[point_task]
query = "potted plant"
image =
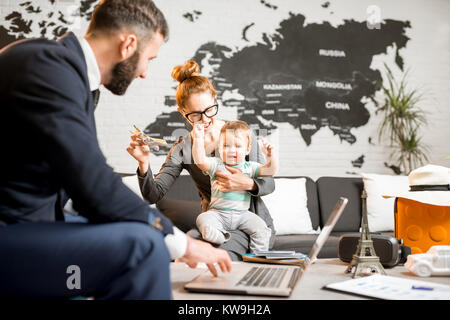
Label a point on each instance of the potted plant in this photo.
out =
(402, 118)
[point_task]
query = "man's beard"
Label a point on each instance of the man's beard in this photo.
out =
(123, 74)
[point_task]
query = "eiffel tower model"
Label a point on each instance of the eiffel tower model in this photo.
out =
(365, 257)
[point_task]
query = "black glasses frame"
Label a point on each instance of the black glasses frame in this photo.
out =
(216, 105)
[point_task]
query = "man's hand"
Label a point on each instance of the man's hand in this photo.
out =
(236, 181)
(200, 251)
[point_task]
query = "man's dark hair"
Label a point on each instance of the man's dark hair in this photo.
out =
(139, 16)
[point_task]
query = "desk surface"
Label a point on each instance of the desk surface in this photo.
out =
(319, 274)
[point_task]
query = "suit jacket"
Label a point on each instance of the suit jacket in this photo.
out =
(49, 142)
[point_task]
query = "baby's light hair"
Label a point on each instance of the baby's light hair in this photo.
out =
(237, 127)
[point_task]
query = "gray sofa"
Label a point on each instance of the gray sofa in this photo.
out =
(182, 205)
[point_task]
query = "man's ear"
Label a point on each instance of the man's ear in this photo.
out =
(128, 45)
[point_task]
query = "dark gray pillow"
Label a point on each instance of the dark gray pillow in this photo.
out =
(182, 213)
(330, 189)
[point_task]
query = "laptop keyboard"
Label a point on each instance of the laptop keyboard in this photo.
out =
(266, 277)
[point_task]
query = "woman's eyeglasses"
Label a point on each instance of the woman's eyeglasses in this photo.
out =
(197, 116)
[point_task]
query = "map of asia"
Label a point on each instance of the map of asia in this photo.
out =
(309, 75)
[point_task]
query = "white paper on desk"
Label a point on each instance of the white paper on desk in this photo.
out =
(392, 288)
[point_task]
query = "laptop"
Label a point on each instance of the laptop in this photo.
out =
(265, 279)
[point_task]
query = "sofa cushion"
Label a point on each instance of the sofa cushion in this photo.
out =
(183, 189)
(288, 206)
(380, 211)
(182, 213)
(304, 242)
(312, 199)
(182, 203)
(330, 189)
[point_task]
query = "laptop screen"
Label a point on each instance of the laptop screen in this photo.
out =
(329, 225)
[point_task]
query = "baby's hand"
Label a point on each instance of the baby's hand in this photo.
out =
(266, 148)
(199, 130)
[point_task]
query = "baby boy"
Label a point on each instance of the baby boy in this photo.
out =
(230, 210)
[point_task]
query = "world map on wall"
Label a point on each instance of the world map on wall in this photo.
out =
(307, 75)
(43, 19)
(310, 76)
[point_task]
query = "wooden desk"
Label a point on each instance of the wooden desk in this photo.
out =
(319, 274)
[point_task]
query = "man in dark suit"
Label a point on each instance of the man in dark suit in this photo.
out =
(51, 152)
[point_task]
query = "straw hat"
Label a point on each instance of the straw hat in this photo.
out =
(429, 184)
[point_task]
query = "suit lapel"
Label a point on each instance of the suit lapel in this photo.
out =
(70, 41)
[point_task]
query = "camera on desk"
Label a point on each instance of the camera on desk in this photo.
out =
(390, 250)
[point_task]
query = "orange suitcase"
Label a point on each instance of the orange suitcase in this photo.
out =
(421, 225)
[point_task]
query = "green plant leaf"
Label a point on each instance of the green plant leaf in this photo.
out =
(402, 118)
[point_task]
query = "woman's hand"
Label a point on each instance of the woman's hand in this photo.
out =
(235, 181)
(140, 151)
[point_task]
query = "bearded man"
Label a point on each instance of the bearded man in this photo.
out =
(48, 92)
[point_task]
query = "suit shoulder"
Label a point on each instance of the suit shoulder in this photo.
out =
(27, 54)
(41, 62)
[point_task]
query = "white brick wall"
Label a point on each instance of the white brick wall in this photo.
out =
(427, 54)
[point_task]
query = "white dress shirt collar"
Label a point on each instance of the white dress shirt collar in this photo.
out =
(91, 63)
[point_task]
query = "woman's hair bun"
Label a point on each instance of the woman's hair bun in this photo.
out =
(185, 71)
